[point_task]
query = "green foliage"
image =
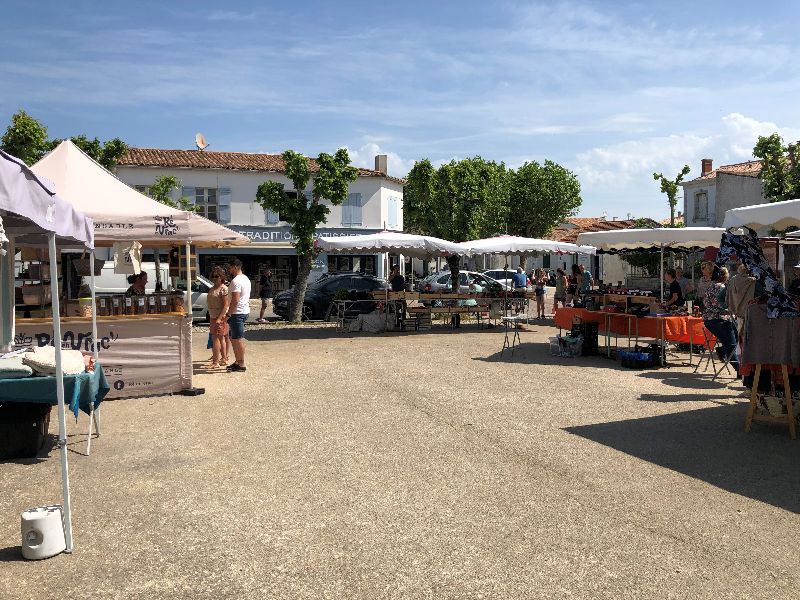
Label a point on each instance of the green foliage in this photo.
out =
(331, 182)
(670, 188)
(105, 153)
(161, 191)
(25, 138)
(780, 170)
(541, 197)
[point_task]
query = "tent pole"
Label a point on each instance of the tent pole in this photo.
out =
(62, 417)
(661, 268)
(188, 278)
(95, 343)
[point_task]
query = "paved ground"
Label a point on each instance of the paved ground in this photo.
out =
(420, 466)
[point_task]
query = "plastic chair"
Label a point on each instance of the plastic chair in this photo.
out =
(710, 345)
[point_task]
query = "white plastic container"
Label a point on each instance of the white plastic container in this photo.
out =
(42, 532)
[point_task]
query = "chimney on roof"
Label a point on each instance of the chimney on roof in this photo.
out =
(382, 163)
(705, 166)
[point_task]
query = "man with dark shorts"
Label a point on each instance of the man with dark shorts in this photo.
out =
(238, 311)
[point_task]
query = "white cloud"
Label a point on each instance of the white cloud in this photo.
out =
(230, 15)
(365, 157)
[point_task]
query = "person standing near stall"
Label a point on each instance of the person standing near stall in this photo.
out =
(238, 312)
(396, 280)
(561, 290)
(539, 281)
(675, 293)
(265, 293)
(218, 303)
(138, 283)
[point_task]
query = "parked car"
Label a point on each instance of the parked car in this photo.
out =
(440, 282)
(503, 276)
(320, 294)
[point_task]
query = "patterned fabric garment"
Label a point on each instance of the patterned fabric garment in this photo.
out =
(714, 303)
(747, 248)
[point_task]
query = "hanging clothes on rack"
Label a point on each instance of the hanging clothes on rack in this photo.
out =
(748, 249)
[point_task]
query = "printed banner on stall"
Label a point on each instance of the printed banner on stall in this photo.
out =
(140, 357)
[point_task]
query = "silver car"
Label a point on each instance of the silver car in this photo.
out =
(441, 282)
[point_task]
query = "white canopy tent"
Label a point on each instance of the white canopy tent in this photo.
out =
(679, 238)
(33, 214)
(418, 246)
(119, 212)
(514, 245)
(778, 215)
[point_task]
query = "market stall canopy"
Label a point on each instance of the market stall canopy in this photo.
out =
(510, 244)
(120, 213)
(418, 246)
(680, 238)
(778, 215)
(30, 208)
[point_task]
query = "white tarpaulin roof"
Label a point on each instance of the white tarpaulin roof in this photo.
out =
(667, 237)
(510, 244)
(120, 213)
(33, 208)
(778, 215)
(418, 246)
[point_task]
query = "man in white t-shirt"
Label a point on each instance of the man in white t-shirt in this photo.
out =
(238, 311)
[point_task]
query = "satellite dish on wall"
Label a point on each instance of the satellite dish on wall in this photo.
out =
(201, 142)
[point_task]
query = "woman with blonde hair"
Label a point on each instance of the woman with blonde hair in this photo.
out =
(218, 302)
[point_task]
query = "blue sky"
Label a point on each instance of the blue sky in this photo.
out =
(611, 90)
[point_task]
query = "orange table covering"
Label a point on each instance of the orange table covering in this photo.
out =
(676, 329)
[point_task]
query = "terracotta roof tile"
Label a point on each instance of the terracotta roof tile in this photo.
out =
(234, 161)
(587, 224)
(750, 168)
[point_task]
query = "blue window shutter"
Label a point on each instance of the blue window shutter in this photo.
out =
(347, 211)
(224, 201)
(356, 208)
(188, 193)
(271, 217)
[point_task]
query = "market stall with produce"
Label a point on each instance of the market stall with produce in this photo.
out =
(144, 340)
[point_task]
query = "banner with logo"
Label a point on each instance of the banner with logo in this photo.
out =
(142, 356)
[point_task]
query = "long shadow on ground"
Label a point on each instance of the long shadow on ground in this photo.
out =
(329, 332)
(709, 444)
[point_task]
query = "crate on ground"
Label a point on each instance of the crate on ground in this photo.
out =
(23, 428)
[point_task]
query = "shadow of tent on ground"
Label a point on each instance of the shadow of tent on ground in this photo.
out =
(711, 445)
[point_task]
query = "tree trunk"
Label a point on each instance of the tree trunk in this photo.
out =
(454, 262)
(303, 269)
(672, 214)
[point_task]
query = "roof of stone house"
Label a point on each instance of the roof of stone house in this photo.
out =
(233, 161)
(578, 225)
(750, 168)
(678, 221)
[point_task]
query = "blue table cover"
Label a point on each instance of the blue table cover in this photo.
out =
(80, 391)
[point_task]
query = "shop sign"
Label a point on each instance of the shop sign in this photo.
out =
(283, 235)
(139, 356)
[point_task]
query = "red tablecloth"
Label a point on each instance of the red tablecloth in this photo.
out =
(676, 329)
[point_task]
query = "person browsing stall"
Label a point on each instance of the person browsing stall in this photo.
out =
(138, 284)
(238, 312)
(675, 294)
(396, 280)
(519, 279)
(218, 303)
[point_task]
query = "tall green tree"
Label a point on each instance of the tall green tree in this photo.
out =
(780, 168)
(459, 201)
(331, 182)
(25, 138)
(670, 188)
(541, 197)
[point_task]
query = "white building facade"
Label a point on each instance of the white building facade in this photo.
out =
(222, 186)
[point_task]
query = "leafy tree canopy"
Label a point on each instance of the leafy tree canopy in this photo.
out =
(780, 170)
(161, 191)
(331, 182)
(670, 188)
(541, 197)
(26, 138)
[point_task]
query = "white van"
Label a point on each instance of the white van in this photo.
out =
(109, 282)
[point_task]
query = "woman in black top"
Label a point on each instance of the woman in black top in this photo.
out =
(397, 281)
(675, 294)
